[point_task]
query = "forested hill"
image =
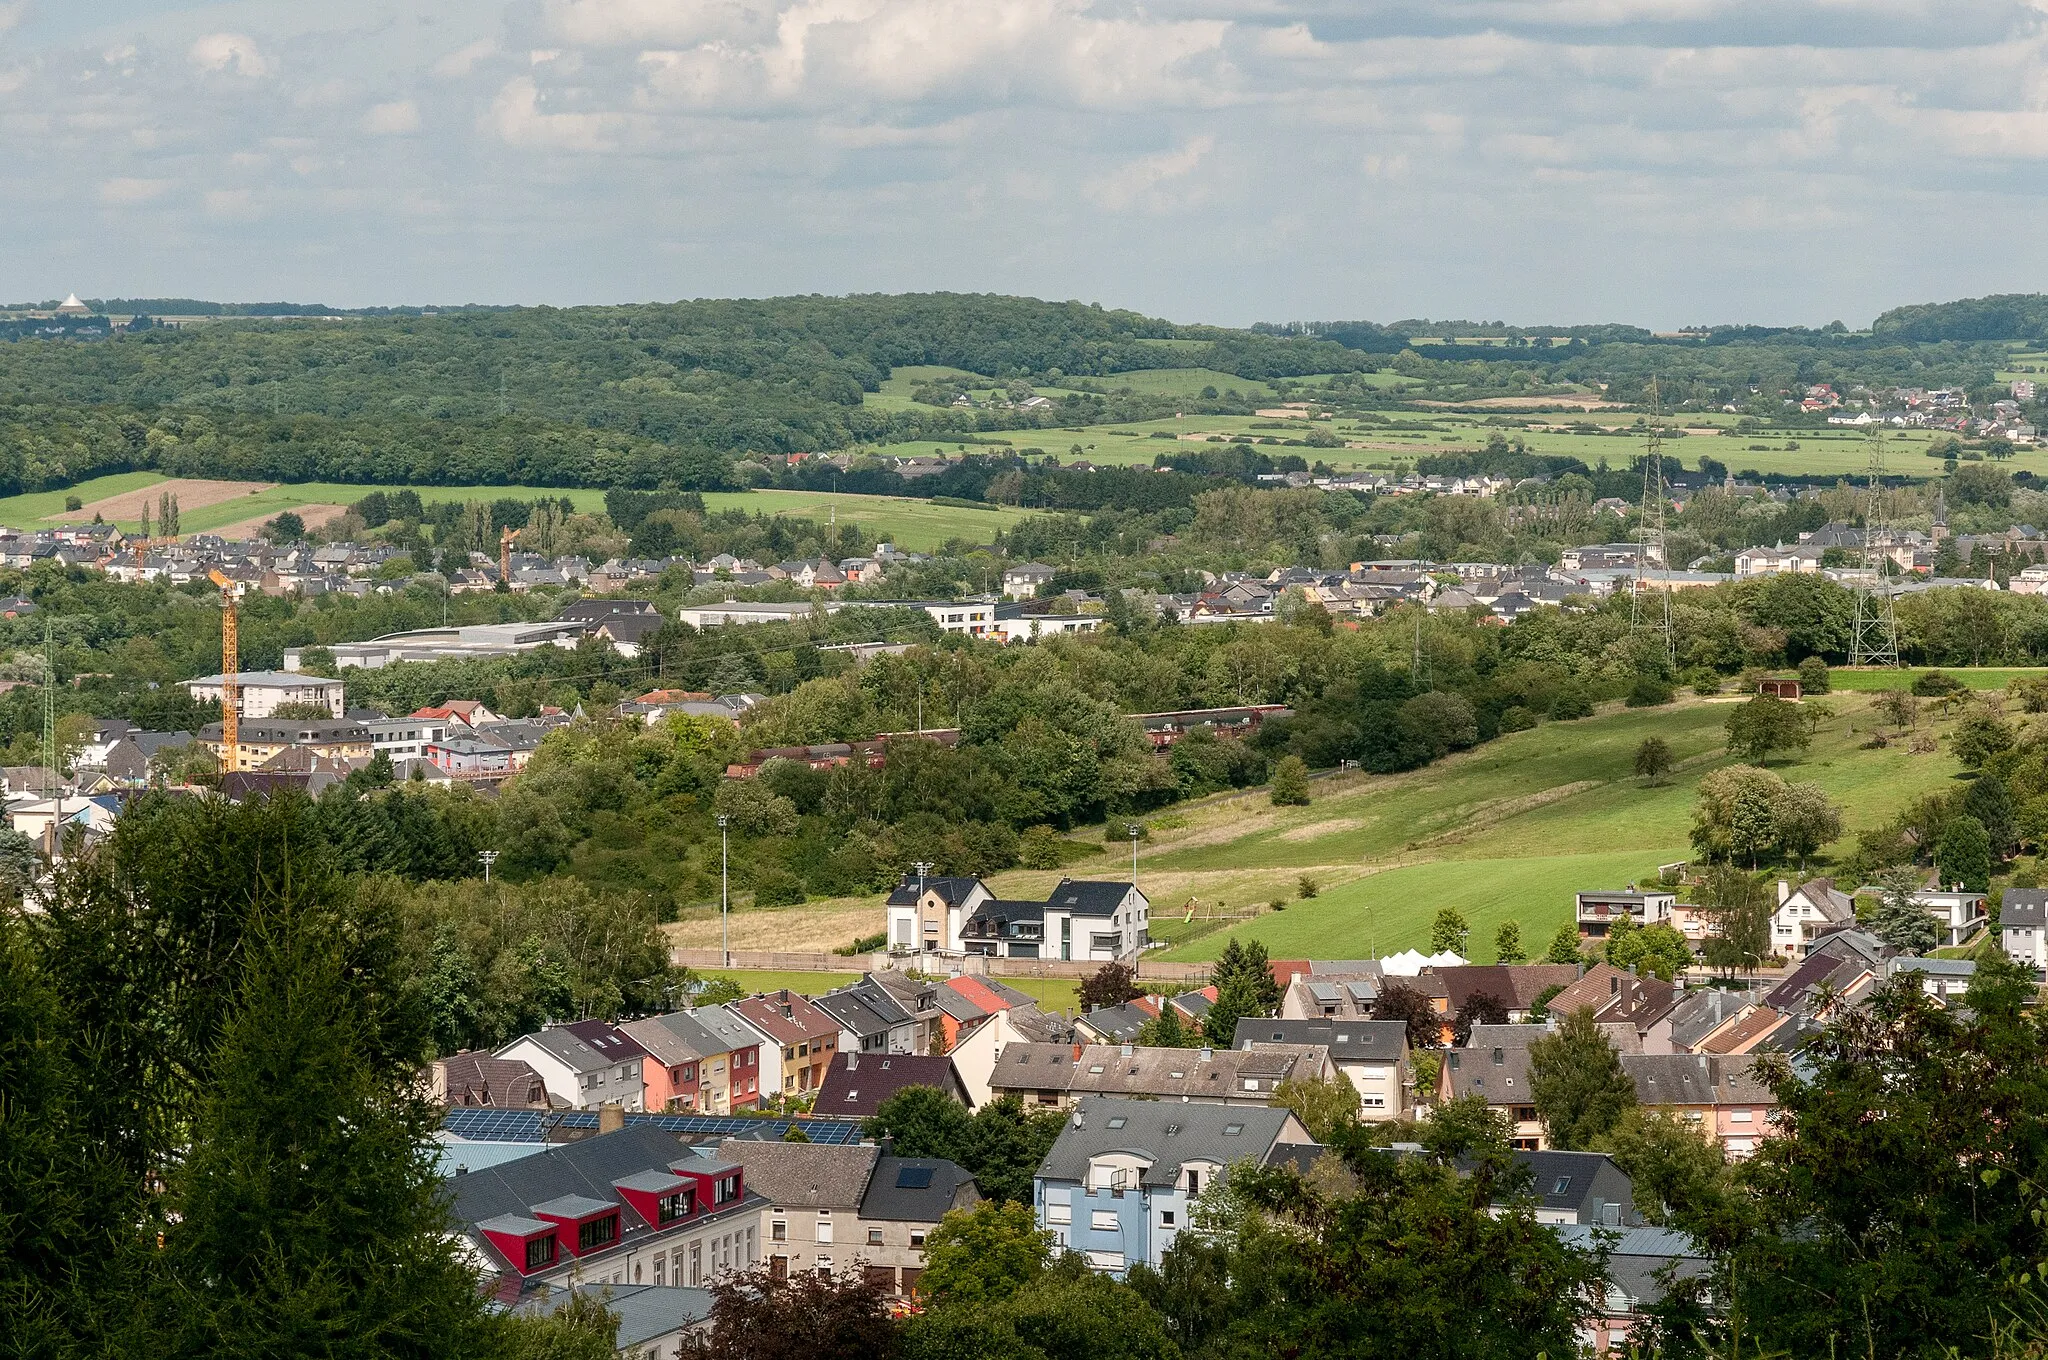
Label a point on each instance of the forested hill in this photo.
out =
(593, 396)
(2002, 316)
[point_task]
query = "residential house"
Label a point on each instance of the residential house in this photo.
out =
(1123, 1174)
(1372, 1055)
(407, 737)
(1580, 1187)
(675, 1047)
(2023, 926)
(1943, 980)
(1321, 996)
(801, 1038)
(915, 997)
(1805, 913)
(926, 914)
(1498, 1073)
(259, 741)
(585, 1065)
(840, 1209)
(1722, 1097)
(1642, 1265)
(966, 1003)
(1597, 912)
(1957, 912)
(871, 1019)
(1023, 582)
(1517, 987)
(1056, 1074)
(731, 1075)
(630, 1207)
(857, 1083)
(264, 692)
(482, 1080)
(650, 1322)
(975, 1056)
(1619, 996)
(1118, 1024)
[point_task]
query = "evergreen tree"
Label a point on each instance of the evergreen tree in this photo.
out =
(1577, 1082)
(1964, 854)
(1899, 921)
(308, 1215)
(1166, 1031)
(1290, 782)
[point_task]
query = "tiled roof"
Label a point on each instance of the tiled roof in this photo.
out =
(804, 1175)
(915, 1189)
(856, 1083)
(1168, 1134)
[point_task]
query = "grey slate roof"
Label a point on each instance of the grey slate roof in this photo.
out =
(915, 1189)
(1167, 1134)
(1637, 1257)
(1088, 896)
(2024, 907)
(1347, 1040)
(1694, 1079)
(805, 1175)
(862, 1009)
(560, 1043)
(1499, 1073)
(950, 890)
(583, 1170)
(1582, 1184)
(1701, 1012)
(646, 1312)
(1166, 1073)
(1114, 1024)
(856, 1083)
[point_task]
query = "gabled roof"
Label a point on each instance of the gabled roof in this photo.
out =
(560, 1043)
(786, 1016)
(1168, 1135)
(951, 891)
(2024, 907)
(1116, 1024)
(914, 1189)
(1821, 894)
(1694, 1079)
(478, 1079)
(1088, 896)
(666, 1041)
(1348, 1041)
(857, 1083)
(804, 1175)
(1517, 986)
(1169, 1074)
(609, 1040)
(863, 1009)
(1580, 1183)
(1498, 1074)
(1744, 1035)
(1616, 994)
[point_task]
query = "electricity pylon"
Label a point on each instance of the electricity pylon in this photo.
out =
(1651, 533)
(1874, 636)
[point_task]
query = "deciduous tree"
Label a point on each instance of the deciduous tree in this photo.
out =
(1577, 1082)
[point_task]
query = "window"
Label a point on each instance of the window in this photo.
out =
(1251, 1083)
(669, 1208)
(660, 1265)
(1375, 1102)
(1564, 1183)
(874, 1237)
(540, 1253)
(1166, 1218)
(696, 1263)
(917, 1238)
(824, 1228)
(1739, 1116)
(1104, 1220)
(1194, 1182)
(1116, 1121)
(778, 1231)
(598, 1232)
(1232, 1130)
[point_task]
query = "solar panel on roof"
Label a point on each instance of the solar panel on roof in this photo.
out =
(913, 1177)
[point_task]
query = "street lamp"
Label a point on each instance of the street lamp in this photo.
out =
(1133, 830)
(923, 867)
(724, 896)
(489, 857)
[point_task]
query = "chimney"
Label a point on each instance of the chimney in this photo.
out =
(852, 1061)
(1126, 1049)
(1784, 891)
(611, 1117)
(1207, 1054)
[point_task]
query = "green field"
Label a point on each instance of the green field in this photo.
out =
(1508, 831)
(1973, 677)
(808, 984)
(914, 525)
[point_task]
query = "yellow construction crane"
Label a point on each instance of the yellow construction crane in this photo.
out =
(230, 666)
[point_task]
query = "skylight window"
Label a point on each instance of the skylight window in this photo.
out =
(1118, 1122)
(1232, 1130)
(1564, 1183)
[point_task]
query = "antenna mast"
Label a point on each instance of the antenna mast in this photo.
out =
(1874, 637)
(50, 788)
(1652, 547)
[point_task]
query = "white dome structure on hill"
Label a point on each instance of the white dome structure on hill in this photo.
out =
(71, 306)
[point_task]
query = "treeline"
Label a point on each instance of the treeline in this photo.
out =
(214, 1138)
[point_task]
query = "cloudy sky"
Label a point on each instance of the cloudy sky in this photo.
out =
(1657, 161)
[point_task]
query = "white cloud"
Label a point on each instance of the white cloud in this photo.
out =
(1130, 184)
(464, 59)
(235, 53)
(517, 116)
(239, 205)
(399, 116)
(123, 191)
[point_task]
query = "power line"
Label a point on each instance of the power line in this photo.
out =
(1874, 634)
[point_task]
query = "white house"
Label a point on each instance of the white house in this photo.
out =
(926, 914)
(1805, 912)
(1598, 912)
(585, 1065)
(1957, 913)
(1372, 1055)
(2023, 926)
(1091, 920)
(1023, 582)
(1776, 561)
(264, 692)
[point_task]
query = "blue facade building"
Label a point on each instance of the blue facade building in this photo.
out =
(1123, 1175)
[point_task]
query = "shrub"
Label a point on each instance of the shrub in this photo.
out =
(1650, 691)
(1515, 718)
(1934, 684)
(1039, 848)
(1813, 676)
(1308, 887)
(1571, 701)
(775, 887)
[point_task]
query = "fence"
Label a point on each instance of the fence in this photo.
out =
(785, 961)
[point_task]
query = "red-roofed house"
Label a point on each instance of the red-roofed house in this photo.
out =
(469, 712)
(801, 1037)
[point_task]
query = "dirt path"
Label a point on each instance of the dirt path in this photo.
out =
(192, 493)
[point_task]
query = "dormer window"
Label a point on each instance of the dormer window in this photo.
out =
(540, 1253)
(672, 1207)
(597, 1233)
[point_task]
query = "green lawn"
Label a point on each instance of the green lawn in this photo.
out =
(1508, 831)
(1975, 677)
(914, 525)
(806, 984)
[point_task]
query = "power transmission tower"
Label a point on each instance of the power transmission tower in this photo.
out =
(1874, 636)
(1652, 546)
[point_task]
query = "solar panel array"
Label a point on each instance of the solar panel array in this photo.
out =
(531, 1126)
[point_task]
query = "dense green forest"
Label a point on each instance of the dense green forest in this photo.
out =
(658, 394)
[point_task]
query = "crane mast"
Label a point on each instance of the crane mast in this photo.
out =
(230, 667)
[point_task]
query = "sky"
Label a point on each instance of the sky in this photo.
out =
(1659, 162)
